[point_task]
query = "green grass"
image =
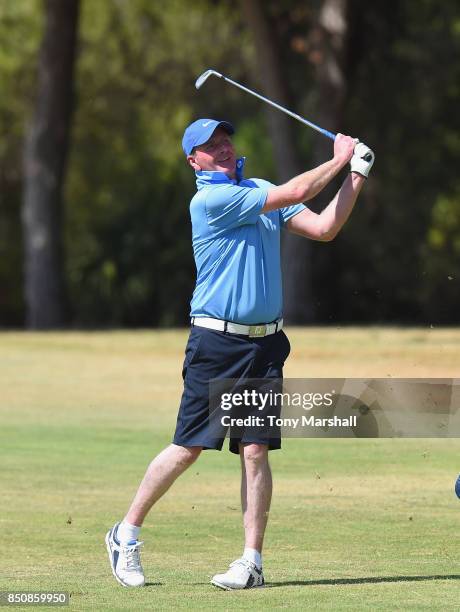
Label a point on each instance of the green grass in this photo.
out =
(354, 524)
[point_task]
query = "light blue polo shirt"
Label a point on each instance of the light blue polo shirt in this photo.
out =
(236, 249)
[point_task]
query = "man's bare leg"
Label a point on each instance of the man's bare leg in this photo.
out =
(122, 540)
(160, 475)
(256, 493)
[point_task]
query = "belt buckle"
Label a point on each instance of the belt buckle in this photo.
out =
(257, 331)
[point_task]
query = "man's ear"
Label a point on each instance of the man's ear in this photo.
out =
(191, 161)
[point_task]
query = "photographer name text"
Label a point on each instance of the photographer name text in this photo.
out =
(293, 423)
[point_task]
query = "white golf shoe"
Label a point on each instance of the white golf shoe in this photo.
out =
(242, 574)
(125, 559)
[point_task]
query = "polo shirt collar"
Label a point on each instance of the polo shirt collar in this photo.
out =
(204, 178)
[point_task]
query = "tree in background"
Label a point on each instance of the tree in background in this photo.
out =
(45, 157)
(20, 35)
(324, 44)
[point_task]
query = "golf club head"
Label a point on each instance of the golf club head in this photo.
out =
(203, 77)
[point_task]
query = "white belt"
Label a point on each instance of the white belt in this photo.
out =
(253, 331)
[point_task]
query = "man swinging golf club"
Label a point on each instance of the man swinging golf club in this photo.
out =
(236, 317)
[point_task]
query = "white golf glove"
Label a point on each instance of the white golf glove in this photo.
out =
(362, 160)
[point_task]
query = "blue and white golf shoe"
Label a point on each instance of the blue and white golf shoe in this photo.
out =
(125, 559)
(242, 574)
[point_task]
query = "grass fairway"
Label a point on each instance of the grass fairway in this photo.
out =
(354, 524)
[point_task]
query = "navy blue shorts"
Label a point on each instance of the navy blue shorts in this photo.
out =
(218, 355)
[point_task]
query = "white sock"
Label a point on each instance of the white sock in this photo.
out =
(127, 532)
(251, 554)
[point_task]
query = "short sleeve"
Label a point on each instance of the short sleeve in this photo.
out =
(285, 213)
(230, 206)
(289, 212)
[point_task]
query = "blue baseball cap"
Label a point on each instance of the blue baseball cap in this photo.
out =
(200, 131)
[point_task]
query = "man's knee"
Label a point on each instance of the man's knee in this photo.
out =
(254, 454)
(186, 455)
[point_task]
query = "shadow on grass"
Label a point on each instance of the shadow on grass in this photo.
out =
(364, 580)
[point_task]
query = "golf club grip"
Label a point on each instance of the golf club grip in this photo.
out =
(322, 131)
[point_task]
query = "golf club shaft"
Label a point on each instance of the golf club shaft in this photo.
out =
(330, 135)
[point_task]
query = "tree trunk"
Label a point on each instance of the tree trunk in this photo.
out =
(45, 155)
(327, 53)
(298, 299)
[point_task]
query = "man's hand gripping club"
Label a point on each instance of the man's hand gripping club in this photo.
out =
(362, 160)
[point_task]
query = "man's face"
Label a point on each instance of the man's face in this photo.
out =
(216, 155)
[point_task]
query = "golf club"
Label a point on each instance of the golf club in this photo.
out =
(204, 77)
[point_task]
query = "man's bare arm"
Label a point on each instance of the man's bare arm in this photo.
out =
(307, 185)
(330, 221)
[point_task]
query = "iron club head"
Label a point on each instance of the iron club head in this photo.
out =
(203, 77)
